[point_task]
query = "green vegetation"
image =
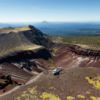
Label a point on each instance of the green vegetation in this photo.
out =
(85, 41)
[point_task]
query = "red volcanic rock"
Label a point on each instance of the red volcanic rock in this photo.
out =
(76, 56)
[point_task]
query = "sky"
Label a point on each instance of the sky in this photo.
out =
(49, 10)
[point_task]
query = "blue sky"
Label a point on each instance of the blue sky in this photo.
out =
(49, 10)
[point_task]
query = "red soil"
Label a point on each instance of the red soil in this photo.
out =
(75, 56)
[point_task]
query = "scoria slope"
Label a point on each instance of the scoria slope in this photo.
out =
(71, 84)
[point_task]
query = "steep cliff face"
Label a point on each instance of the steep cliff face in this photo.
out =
(38, 37)
(75, 56)
(85, 52)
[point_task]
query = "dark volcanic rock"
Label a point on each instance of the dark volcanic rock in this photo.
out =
(85, 52)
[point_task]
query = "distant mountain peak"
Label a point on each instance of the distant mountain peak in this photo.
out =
(45, 22)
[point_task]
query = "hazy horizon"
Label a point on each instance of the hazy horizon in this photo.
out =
(35, 22)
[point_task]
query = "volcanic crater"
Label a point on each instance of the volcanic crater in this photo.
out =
(27, 54)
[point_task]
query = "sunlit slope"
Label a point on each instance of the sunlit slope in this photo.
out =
(22, 38)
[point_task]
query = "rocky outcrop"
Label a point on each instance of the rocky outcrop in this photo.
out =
(40, 53)
(83, 51)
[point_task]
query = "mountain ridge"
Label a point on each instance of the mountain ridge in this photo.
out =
(21, 38)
